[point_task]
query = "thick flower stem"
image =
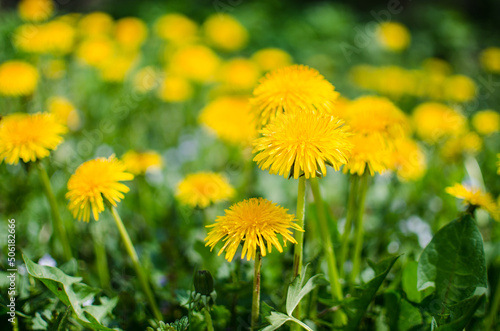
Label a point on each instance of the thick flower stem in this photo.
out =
(137, 265)
(208, 319)
(256, 291)
(494, 309)
(351, 214)
(299, 236)
(100, 254)
(56, 217)
(327, 241)
(358, 227)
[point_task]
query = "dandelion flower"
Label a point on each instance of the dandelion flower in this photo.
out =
(96, 24)
(486, 122)
(94, 184)
(96, 51)
(302, 142)
(490, 59)
(35, 10)
(369, 153)
(272, 58)
(223, 31)
(196, 62)
(239, 74)
(475, 197)
(292, 88)
(29, 137)
(138, 163)
(459, 88)
(256, 222)
(434, 121)
(204, 188)
(65, 111)
(130, 33)
(146, 79)
(408, 159)
(231, 119)
(465, 143)
(116, 68)
(175, 89)
(176, 28)
(393, 36)
(55, 37)
(17, 78)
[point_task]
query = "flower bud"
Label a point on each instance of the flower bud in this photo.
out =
(203, 282)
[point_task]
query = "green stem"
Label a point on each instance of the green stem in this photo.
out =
(327, 241)
(100, 254)
(137, 265)
(351, 214)
(256, 291)
(56, 217)
(299, 236)
(208, 319)
(495, 305)
(358, 227)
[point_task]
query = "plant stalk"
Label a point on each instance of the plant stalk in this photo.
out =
(494, 307)
(137, 265)
(100, 254)
(256, 291)
(208, 319)
(299, 236)
(358, 227)
(351, 214)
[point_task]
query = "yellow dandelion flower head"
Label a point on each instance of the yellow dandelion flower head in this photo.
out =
(94, 184)
(35, 10)
(195, 62)
(117, 67)
(437, 66)
(146, 79)
(369, 153)
(297, 143)
(490, 59)
(175, 88)
(466, 143)
(176, 28)
(231, 119)
(95, 24)
(138, 163)
(459, 88)
(64, 111)
(55, 37)
(434, 121)
(292, 88)
(256, 222)
(475, 197)
(393, 36)
(376, 115)
(199, 190)
(486, 122)
(408, 159)
(223, 31)
(130, 32)
(17, 78)
(272, 58)
(96, 51)
(29, 137)
(239, 74)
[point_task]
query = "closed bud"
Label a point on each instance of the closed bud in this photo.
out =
(203, 282)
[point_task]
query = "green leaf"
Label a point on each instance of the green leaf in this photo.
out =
(409, 283)
(462, 313)
(357, 305)
(453, 262)
(278, 319)
(409, 316)
(300, 288)
(73, 294)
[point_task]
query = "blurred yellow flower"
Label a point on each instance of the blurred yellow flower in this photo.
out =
(95, 24)
(393, 36)
(195, 62)
(231, 119)
(437, 66)
(17, 78)
(490, 59)
(35, 10)
(255, 222)
(223, 31)
(201, 189)
(272, 58)
(116, 68)
(459, 88)
(175, 89)
(55, 37)
(130, 33)
(465, 143)
(486, 122)
(146, 79)
(433, 121)
(303, 142)
(96, 51)
(29, 137)
(408, 159)
(292, 88)
(176, 28)
(138, 163)
(476, 198)
(239, 74)
(54, 69)
(64, 111)
(94, 184)
(369, 153)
